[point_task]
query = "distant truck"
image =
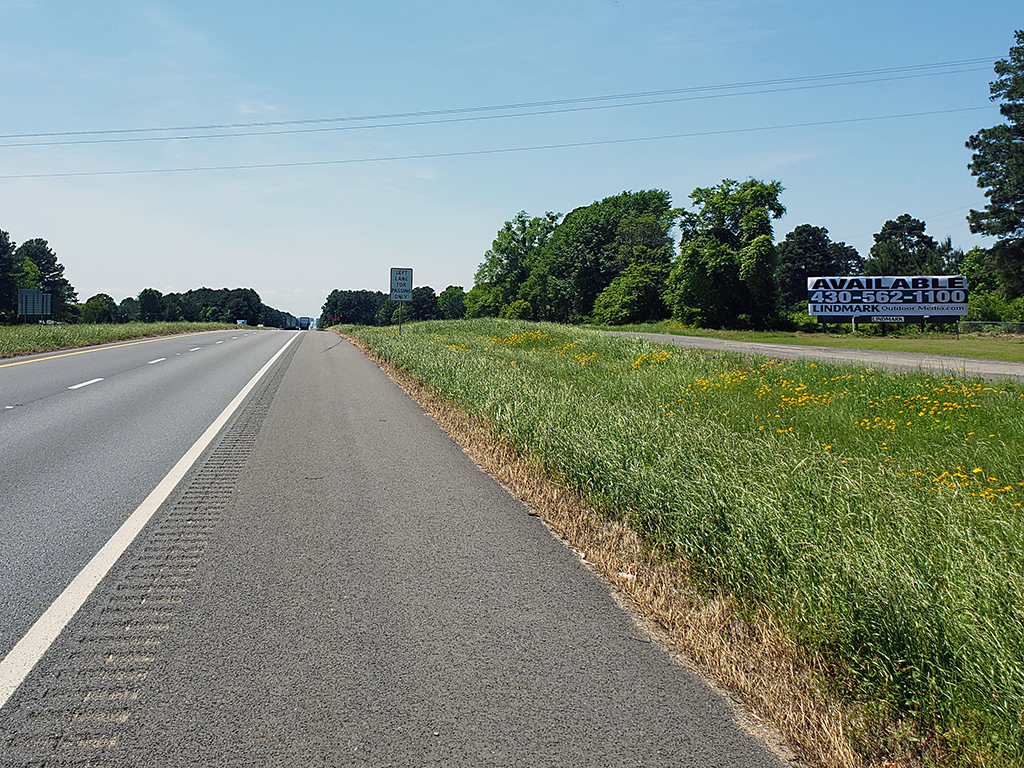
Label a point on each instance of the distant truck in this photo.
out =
(305, 323)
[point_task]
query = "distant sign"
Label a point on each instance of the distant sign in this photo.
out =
(908, 299)
(401, 284)
(32, 301)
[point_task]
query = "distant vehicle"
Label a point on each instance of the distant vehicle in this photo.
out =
(304, 323)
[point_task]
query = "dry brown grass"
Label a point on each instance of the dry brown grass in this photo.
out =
(750, 657)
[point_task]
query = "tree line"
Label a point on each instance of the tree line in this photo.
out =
(633, 258)
(34, 265)
(377, 308)
(615, 262)
(208, 305)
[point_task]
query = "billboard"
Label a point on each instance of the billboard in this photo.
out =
(904, 299)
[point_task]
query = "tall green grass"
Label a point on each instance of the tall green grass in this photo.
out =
(878, 515)
(32, 338)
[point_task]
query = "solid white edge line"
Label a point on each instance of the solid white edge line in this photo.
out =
(85, 383)
(21, 659)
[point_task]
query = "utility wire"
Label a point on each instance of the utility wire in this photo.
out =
(477, 152)
(442, 120)
(915, 68)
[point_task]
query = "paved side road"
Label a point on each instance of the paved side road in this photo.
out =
(370, 597)
(942, 365)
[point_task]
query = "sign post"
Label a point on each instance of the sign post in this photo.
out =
(401, 289)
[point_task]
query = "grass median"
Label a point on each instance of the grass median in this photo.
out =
(34, 338)
(876, 516)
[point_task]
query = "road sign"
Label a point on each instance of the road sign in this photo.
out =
(401, 284)
(32, 302)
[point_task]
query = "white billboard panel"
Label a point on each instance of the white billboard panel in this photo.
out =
(875, 299)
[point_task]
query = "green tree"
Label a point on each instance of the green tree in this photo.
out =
(8, 280)
(507, 263)
(642, 238)
(352, 307)
(173, 309)
(480, 302)
(387, 314)
(998, 163)
(26, 273)
(275, 318)
(128, 309)
(519, 309)
(949, 258)
(423, 305)
(759, 263)
(903, 248)
(64, 300)
(591, 246)
(183, 306)
(808, 251)
(986, 306)
(978, 266)
(703, 286)
(151, 305)
(452, 303)
(243, 304)
(725, 274)
(634, 296)
(100, 308)
(211, 304)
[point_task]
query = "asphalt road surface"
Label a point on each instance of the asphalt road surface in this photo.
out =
(942, 365)
(335, 583)
(86, 434)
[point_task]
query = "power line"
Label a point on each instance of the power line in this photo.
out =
(477, 152)
(909, 71)
(536, 112)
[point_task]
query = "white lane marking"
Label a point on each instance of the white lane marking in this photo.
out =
(85, 383)
(158, 360)
(195, 349)
(219, 342)
(26, 654)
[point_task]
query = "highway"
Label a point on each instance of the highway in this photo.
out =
(86, 435)
(334, 583)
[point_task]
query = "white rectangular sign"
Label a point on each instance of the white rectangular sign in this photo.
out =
(890, 299)
(401, 284)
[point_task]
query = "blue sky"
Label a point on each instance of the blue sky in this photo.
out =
(335, 209)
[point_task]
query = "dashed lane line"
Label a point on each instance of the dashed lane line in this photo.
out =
(90, 349)
(85, 383)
